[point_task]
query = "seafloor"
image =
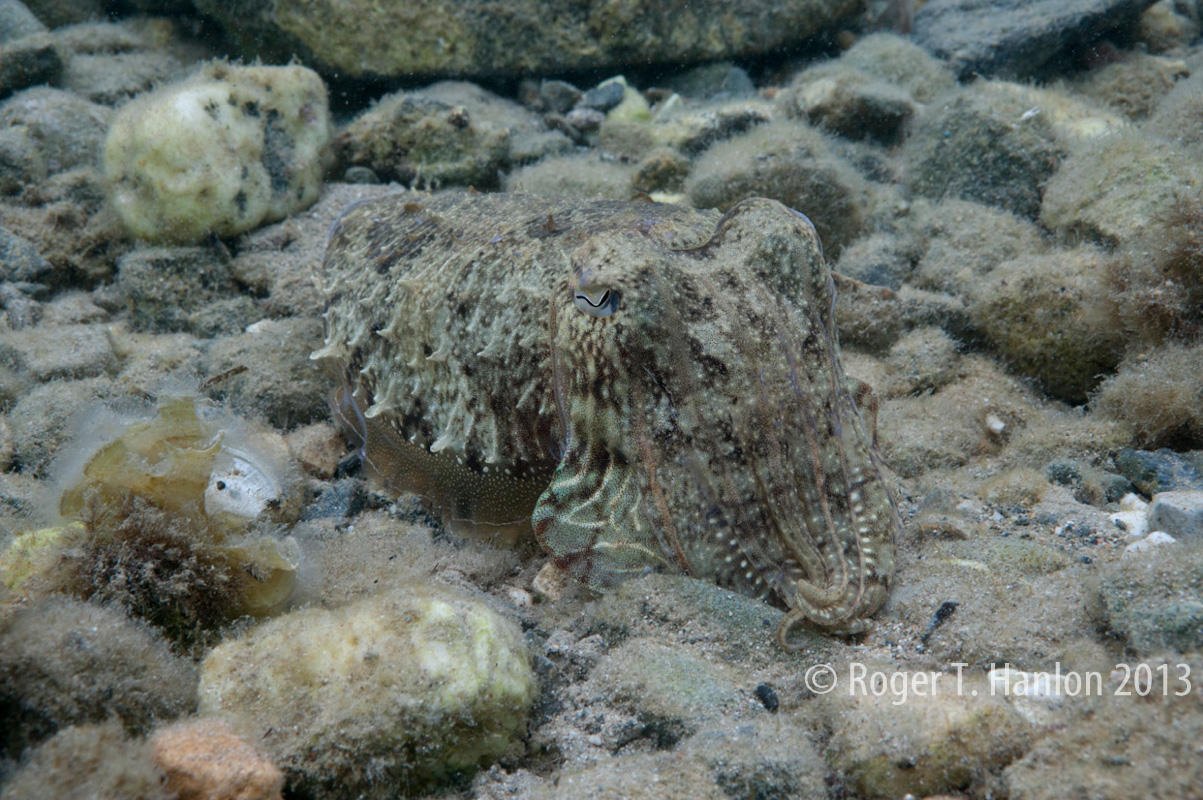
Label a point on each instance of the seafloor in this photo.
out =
(204, 593)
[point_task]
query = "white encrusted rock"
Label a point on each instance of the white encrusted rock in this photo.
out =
(1178, 513)
(219, 153)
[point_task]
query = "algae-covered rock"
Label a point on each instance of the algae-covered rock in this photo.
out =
(936, 740)
(402, 691)
(1015, 37)
(587, 175)
(1156, 602)
(1049, 317)
(280, 379)
(46, 352)
(898, 60)
(963, 241)
(976, 143)
(1157, 393)
(178, 289)
(362, 39)
(670, 689)
(65, 662)
(849, 102)
(99, 762)
(789, 162)
(44, 131)
(1120, 743)
(220, 153)
(1116, 188)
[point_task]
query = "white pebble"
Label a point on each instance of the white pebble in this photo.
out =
(1133, 523)
(1151, 542)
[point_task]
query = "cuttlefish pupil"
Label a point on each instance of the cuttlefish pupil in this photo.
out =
(596, 301)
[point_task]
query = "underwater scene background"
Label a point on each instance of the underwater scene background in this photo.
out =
(606, 399)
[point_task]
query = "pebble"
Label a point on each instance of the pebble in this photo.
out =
(1133, 516)
(59, 351)
(1153, 541)
(205, 760)
(604, 96)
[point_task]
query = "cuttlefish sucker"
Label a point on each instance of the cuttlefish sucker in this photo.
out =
(651, 387)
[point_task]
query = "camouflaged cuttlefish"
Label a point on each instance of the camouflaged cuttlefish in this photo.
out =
(646, 386)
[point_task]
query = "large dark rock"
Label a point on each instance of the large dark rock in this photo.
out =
(475, 38)
(1015, 38)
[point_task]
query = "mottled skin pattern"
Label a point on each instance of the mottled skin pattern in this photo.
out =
(705, 427)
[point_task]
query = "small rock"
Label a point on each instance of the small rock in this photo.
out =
(20, 260)
(898, 60)
(416, 686)
(110, 78)
(789, 162)
(935, 741)
(20, 310)
(528, 138)
(280, 379)
(46, 352)
(879, 259)
(558, 97)
(1179, 514)
(1116, 188)
(220, 153)
(318, 448)
(205, 760)
(764, 757)
(670, 689)
(923, 360)
(585, 120)
(340, 500)
(65, 662)
(1153, 541)
(98, 762)
(974, 143)
(45, 131)
(28, 62)
(550, 582)
(588, 174)
(1048, 317)
(867, 316)
(166, 286)
(17, 21)
(360, 174)
(715, 82)
(1015, 38)
(1161, 470)
(1037, 696)
(1132, 517)
(1153, 597)
(604, 96)
(40, 418)
(849, 102)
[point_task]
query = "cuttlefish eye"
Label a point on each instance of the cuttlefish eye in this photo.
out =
(596, 301)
